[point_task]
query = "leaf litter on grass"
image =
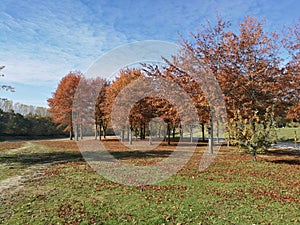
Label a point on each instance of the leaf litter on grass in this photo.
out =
(234, 189)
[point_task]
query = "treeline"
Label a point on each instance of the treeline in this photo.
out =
(18, 119)
(23, 109)
(257, 71)
(14, 124)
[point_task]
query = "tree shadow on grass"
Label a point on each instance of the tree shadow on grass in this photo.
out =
(287, 161)
(283, 152)
(294, 156)
(174, 141)
(140, 155)
(41, 158)
(28, 159)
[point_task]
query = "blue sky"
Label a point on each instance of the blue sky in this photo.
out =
(41, 41)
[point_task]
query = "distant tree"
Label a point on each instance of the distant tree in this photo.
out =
(3, 121)
(23, 109)
(6, 105)
(61, 102)
(17, 125)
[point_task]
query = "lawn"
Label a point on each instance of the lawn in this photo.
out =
(233, 190)
(287, 133)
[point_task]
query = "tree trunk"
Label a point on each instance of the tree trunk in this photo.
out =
(218, 132)
(191, 133)
(122, 135)
(169, 134)
(71, 134)
(211, 135)
(203, 135)
(130, 135)
(104, 132)
(253, 150)
(159, 130)
(181, 132)
(141, 132)
(100, 127)
(96, 131)
(150, 134)
(174, 129)
(76, 132)
(128, 132)
(254, 156)
(144, 131)
(80, 130)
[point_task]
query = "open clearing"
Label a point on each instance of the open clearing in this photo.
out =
(54, 185)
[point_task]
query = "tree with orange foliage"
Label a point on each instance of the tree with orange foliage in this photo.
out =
(61, 103)
(84, 105)
(247, 65)
(101, 111)
(292, 87)
(125, 77)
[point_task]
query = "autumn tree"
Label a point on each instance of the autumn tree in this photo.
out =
(131, 95)
(101, 111)
(83, 107)
(246, 64)
(291, 43)
(126, 76)
(61, 102)
(177, 75)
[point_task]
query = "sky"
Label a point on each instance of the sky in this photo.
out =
(41, 41)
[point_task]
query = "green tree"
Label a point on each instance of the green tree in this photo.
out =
(254, 135)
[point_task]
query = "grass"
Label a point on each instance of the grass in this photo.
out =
(287, 133)
(233, 190)
(16, 157)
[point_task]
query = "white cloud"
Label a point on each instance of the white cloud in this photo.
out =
(49, 40)
(41, 41)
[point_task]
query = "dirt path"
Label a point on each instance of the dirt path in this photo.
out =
(16, 183)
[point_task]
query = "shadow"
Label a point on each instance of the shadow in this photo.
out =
(41, 158)
(283, 152)
(140, 155)
(28, 159)
(287, 161)
(174, 142)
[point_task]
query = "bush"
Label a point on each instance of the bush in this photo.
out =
(253, 135)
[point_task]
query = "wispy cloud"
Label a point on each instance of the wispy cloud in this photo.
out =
(41, 41)
(44, 40)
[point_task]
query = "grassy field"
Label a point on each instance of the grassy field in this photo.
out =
(233, 190)
(288, 133)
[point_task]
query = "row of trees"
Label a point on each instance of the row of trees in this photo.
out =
(23, 109)
(258, 73)
(18, 119)
(15, 124)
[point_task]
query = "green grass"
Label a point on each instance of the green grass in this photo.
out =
(233, 190)
(287, 133)
(15, 161)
